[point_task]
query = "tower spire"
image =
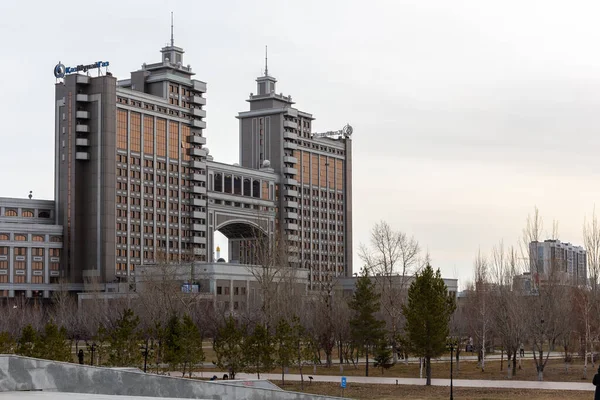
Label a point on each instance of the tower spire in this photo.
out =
(172, 41)
(266, 62)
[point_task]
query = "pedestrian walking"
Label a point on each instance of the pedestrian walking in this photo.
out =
(596, 383)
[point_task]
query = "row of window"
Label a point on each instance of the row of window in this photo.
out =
(39, 279)
(26, 213)
(34, 238)
(237, 291)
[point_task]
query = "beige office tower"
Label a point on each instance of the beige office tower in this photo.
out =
(130, 169)
(314, 190)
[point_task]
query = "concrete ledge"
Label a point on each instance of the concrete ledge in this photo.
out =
(19, 373)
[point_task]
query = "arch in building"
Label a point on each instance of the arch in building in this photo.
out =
(241, 229)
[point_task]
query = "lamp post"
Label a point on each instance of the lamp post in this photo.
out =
(451, 345)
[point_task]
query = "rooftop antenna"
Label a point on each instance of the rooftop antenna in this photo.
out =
(172, 41)
(266, 63)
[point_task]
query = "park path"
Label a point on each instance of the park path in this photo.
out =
(472, 383)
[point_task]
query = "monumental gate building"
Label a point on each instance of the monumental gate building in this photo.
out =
(135, 184)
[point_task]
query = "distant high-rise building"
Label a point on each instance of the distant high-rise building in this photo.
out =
(561, 261)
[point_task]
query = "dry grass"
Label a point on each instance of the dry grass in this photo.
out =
(554, 371)
(388, 392)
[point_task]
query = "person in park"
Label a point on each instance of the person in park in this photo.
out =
(596, 383)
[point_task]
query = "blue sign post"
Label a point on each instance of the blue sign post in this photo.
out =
(343, 385)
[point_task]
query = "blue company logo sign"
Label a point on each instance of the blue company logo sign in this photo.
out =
(60, 70)
(343, 383)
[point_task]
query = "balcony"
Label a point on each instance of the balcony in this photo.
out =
(194, 152)
(290, 124)
(82, 142)
(82, 114)
(291, 226)
(199, 100)
(83, 97)
(198, 164)
(82, 155)
(196, 139)
(290, 181)
(82, 128)
(196, 112)
(84, 79)
(198, 227)
(198, 203)
(291, 192)
(291, 215)
(290, 171)
(290, 159)
(199, 252)
(293, 259)
(290, 145)
(198, 240)
(199, 189)
(293, 238)
(196, 123)
(199, 177)
(198, 214)
(199, 86)
(290, 204)
(290, 135)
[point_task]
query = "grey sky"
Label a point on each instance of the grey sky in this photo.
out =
(466, 114)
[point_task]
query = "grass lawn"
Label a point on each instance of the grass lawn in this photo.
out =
(388, 392)
(554, 371)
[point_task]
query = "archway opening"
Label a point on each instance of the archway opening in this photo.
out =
(239, 243)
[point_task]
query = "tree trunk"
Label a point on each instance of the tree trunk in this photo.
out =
(457, 360)
(282, 375)
(514, 362)
(367, 360)
(394, 352)
(301, 376)
(421, 367)
(428, 370)
(501, 359)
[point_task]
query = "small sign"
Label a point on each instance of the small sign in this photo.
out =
(343, 384)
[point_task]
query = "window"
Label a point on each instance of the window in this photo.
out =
(4, 236)
(219, 289)
(27, 213)
(10, 212)
(4, 264)
(56, 239)
(19, 279)
(37, 279)
(37, 265)
(38, 252)
(54, 252)
(37, 238)
(173, 140)
(121, 129)
(20, 238)
(136, 131)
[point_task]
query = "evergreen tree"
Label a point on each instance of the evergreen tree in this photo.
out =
(173, 351)
(303, 346)
(366, 329)
(53, 343)
(124, 341)
(28, 342)
(427, 314)
(285, 340)
(383, 355)
(191, 344)
(258, 351)
(228, 346)
(7, 343)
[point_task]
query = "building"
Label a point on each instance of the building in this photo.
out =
(30, 248)
(564, 261)
(135, 184)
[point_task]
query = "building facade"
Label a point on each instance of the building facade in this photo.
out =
(567, 263)
(135, 184)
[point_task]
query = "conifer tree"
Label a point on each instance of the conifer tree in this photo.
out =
(7, 343)
(286, 346)
(191, 344)
(383, 355)
(53, 343)
(366, 329)
(258, 351)
(173, 351)
(28, 341)
(427, 314)
(228, 346)
(124, 341)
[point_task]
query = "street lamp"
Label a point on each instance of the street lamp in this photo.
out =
(451, 345)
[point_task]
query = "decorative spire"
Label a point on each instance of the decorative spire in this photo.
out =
(266, 62)
(172, 41)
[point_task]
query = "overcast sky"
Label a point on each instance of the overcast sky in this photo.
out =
(466, 114)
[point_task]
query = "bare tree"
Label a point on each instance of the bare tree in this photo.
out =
(392, 259)
(480, 307)
(591, 241)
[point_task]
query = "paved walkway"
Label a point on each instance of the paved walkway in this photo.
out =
(473, 383)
